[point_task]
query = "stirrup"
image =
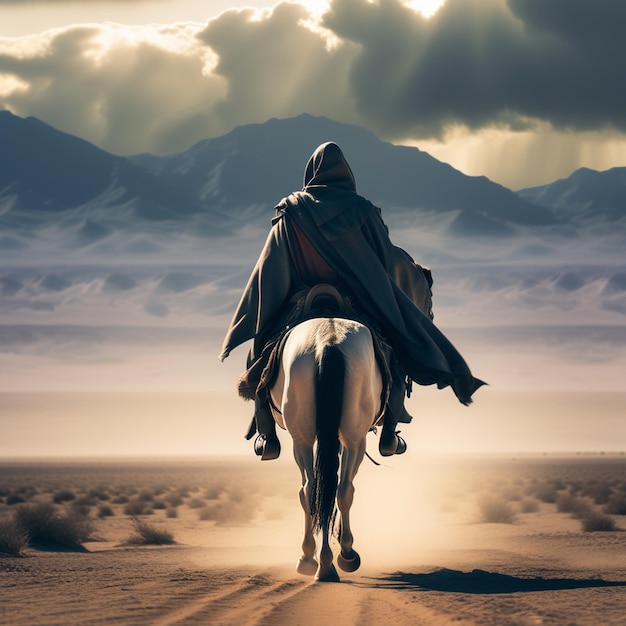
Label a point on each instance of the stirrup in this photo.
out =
(267, 447)
(397, 446)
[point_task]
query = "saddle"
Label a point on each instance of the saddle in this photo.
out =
(322, 300)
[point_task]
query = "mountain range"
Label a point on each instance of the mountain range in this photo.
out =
(123, 272)
(48, 177)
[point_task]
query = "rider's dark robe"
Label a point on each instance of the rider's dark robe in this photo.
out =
(348, 232)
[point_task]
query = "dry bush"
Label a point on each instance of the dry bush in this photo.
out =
(145, 495)
(545, 493)
(15, 498)
(183, 491)
(616, 504)
(495, 510)
(136, 507)
(213, 492)
(104, 510)
(206, 514)
(99, 493)
(174, 499)
(171, 512)
(63, 495)
(596, 522)
(196, 503)
(600, 492)
(147, 534)
(80, 508)
(528, 505)
(568, 503)
(47, 528)
(13, 539)
(159, 504)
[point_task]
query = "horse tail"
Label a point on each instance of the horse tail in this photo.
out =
(329, 403)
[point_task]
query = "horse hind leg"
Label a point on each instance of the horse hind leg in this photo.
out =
(348, 559)
(326, 572)
(307, 564)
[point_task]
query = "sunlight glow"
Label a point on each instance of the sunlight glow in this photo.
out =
(426, 7)
(524, 159)
(10, 84)
(316, 7)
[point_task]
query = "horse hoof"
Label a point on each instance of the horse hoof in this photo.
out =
(349, 564)
(329, 576)
(306, 567)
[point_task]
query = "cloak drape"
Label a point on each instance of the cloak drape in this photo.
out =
(348, 231)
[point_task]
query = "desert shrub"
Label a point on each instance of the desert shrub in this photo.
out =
(99, 493)
(27, 491)
(596, 522)
(205, 514)
(104, 510)
(85, 500)
(195, 503)
(63, 495)
(46, 527)
(568, 503)
(171, 512)
(13, 539)
(495, 510)
(575, 487)
(616, 504)
(528, 505)
(137, 507)
(145, 495)
(598, 491)
(147, 534)
(80, 508)
(174, 499)
(159, 504)
(15, 498)
(213, 492)
(120, 499)
(545, 493)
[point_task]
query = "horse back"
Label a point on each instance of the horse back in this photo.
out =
(304, 354)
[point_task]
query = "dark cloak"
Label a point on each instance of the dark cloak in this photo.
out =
(348, 232)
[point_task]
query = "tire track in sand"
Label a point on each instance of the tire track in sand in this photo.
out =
(247, 604)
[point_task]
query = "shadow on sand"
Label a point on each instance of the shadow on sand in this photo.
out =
(480, 582)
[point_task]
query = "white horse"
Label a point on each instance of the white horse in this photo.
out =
(328, 396)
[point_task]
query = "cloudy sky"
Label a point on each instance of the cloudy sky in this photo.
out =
(523, 91)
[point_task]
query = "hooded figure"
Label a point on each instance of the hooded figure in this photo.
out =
(328, 233)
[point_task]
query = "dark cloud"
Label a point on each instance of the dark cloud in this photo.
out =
(486, 62)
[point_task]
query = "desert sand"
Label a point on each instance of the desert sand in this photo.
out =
(446, 540)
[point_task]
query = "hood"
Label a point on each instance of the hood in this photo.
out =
(328, 167)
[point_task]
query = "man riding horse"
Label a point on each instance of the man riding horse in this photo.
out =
(329, 234)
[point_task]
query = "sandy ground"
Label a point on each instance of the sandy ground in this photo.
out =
(430, 554)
